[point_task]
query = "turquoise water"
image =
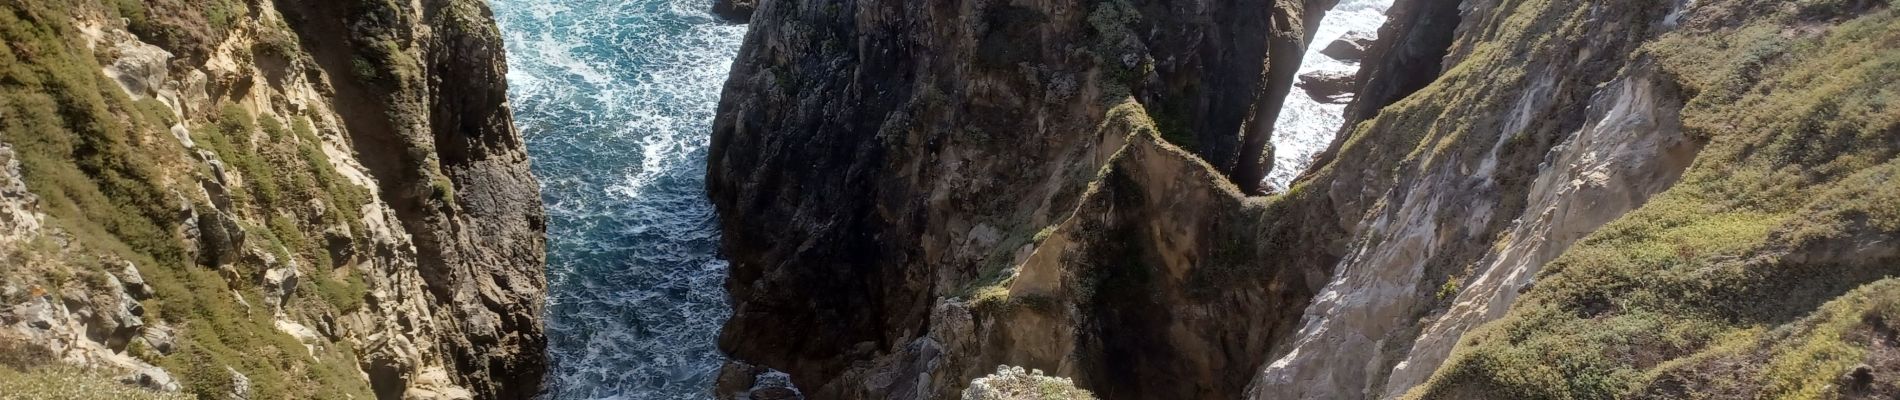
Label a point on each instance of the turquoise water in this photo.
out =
(615, 99)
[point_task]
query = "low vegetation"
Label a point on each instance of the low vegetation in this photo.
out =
(111, 176)
(1014, 383)
(1737, 261)
(71, 383)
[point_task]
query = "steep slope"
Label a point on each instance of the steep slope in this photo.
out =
(1531, 199)
(1767, 272)
(1604, 106)
(1460, 185)
(885, 169)
(265, 199)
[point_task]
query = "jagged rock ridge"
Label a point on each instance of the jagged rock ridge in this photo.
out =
(1550, 199)
(877, 182)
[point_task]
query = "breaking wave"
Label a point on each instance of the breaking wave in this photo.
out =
(615, 99)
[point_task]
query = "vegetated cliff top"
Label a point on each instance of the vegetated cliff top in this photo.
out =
(260, 199)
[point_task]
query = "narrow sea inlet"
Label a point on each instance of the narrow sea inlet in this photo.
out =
(615, 99)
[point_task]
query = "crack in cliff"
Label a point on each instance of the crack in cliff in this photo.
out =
(1409, 54)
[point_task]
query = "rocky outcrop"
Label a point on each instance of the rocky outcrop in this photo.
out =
(884, 171)
(1411, 53)
(1327, 86)
(736, 11)
(1426, 216)
(321, 198)
(1560, 199)
(1351, 47)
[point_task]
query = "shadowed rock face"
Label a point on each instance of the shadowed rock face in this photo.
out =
(736, 11)
(1351, 47)
(945, 187)
(879, 166)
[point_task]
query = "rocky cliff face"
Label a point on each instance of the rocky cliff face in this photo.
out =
(891, 173)
(1547, 199)
(267, 199)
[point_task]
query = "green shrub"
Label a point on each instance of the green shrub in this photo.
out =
(101, 163)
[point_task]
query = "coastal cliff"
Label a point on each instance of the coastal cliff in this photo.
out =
(893, 175)
(1542, 199)
(265, 199)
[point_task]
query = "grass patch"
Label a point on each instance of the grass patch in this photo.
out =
(1800, 167)
(71, 383)
(105, 167)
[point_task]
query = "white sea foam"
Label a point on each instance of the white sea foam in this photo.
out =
(1307, 126)
(615, 99)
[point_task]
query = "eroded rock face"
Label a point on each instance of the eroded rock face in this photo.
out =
(470, 202)
(879, 166)
(1423, 218)
(334, 184)
(1543, 168)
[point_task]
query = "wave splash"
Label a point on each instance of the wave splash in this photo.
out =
(616, 99)
(1306, 126)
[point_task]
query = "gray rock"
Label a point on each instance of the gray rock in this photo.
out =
(134, 283)
(140, 68)
(153, 378)
(776, 393)
(1350, 47)
(126, 316)
(159, 338)
(735, 11)
(37, 314)
(220, 238)
(280, 282)
(240, 385)
(1328, 86)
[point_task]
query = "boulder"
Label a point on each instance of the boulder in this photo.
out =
(141, 68)
(1328, 86)
(159, 338)
(151, 377)
(734, 11)
(132, 281)
(1350, 47)
(280, 282)
(240, 385)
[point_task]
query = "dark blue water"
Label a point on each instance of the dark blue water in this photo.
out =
(616, 98)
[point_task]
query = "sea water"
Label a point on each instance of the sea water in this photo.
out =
(615, 99)
(1307, 126)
